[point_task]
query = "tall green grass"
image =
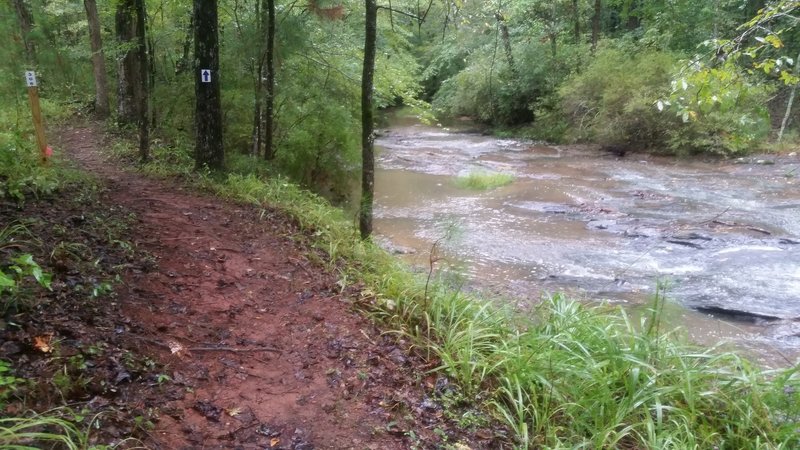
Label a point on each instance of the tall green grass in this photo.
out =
(567, 376)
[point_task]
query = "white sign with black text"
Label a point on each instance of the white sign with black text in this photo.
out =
(30, 78)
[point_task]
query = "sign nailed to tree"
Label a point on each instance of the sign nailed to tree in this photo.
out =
(30, 78)
(205, 75)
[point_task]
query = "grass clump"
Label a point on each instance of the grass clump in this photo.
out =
(484, 181)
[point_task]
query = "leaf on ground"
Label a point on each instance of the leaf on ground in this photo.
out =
(233, 412)
(42, 343)
(176, 348)
(274, 442)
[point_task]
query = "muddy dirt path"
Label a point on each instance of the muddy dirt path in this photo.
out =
(262, 348)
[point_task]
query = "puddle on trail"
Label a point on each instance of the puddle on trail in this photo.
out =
(725, 236)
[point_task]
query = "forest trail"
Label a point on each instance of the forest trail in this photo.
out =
(263, 348)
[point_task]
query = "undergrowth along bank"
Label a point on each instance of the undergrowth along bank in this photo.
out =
(567, 376)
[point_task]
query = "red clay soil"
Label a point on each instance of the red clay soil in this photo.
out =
(263, 348)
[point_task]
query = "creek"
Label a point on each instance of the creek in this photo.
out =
(724, 236)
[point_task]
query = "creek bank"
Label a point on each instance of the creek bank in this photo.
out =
(599, 226)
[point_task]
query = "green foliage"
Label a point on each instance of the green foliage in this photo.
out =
(612, 101)
(483, 181)
(487, 90)
(15, 269)
(21, 172)
(58, 428)
(723, 111)
(8, 383)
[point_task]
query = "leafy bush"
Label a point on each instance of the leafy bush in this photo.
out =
(612, 101)
(632, 100)
(16, 269)
(21, 173)
(488, 94)
(722, 111)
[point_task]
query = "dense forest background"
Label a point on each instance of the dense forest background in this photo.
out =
(679, 77)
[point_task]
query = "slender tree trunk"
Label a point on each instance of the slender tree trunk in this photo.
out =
(367, 134)
(790, 102)
(185, 62)
(258, 101)
(142, 87)
(634, 21)
(127, 71)
(598, 11)
(269, 113)
(501, 22)
(101, 105)
(25, 20)
(208, 106)
(576, 18)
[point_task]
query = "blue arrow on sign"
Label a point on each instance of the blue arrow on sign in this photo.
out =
(205, 76)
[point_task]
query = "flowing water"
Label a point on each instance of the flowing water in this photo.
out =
(725, 236)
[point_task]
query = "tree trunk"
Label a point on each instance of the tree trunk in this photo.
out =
(208, 108)
(269, 113)
(25, 20)
(367, 135)
(258, 101)
(598, 11)
(101, 108)
(185, 62)
(142, 87)
(501, 22)
(576, 17)
(790, 102)
(127, 71)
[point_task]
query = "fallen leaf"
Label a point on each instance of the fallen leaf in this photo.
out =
(42, 343)
(274, 441)
(233, 412)
(175, 347)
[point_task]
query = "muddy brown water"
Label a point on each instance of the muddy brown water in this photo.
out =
(724, 236)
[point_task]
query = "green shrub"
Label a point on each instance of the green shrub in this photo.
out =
(21, 171)
(612, 101)
(632, 100)
(16, 270)
(722, 111)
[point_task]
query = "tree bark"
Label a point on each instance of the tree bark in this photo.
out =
(185, 63)
(269, 113)
(25, 20)
(142, 87)
(790, 102)
(576, 18)
(501, 22)
(598, 11)
(127, 70)
(258, 100)
(208, 106)
(367, 134)
(101, 103)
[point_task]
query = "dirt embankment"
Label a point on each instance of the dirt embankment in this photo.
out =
(241, 341)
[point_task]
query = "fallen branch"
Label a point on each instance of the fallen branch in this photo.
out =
(231, 349)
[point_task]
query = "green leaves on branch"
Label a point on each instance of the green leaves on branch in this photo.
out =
(761, 40)
(722, 111)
